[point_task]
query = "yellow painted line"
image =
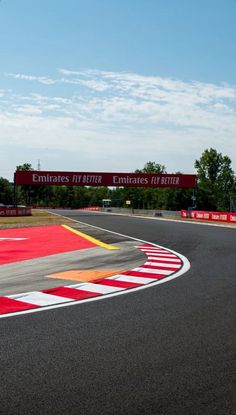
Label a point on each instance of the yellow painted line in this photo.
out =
(90, 238)
(84, 275)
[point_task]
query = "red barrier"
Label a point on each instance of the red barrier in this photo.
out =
(232, 217)
(18, 211)
(210, 216)
(92, 208)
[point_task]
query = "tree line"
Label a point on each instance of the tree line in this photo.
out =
(216, 190)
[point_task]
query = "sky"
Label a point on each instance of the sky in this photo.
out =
(109, 85)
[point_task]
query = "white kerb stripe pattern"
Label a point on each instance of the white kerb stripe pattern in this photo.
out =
(129, 278)
(150, 272)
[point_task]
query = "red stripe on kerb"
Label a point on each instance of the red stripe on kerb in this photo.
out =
(72, 293)
(8, 305)
(156, 276)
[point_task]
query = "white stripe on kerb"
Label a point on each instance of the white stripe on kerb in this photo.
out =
(161, 251)
(130, 278)
(171, 260)
(97, 288)
(43, 299)
(153, 256)
(153, 271)
(160, 264)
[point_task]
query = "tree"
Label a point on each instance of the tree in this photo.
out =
(216, 180)
(31, 195)
(25, 166)
(152, 167)
(6, 191)
(148, 198)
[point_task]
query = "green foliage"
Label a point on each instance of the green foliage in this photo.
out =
(6, 192)
(152, 167)
(216, 180)
(147, 198)
(25, 166)
(157, 198)
(32, 195)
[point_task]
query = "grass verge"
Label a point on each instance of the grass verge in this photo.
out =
(38, 218)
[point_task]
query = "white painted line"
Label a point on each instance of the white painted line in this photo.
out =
(191, 222)
(13, 239)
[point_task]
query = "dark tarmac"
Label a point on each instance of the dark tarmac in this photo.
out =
(164, 350)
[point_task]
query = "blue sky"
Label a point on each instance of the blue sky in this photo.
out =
(107, 85)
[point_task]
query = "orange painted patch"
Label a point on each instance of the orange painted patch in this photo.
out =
(84, 275)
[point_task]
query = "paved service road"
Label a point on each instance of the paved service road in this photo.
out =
(168, 349)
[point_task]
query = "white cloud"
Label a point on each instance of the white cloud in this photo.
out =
(40, 79)
(116, 121)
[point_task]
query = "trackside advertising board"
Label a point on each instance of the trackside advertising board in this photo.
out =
(56, 178)
(210, 216)
(15, 211)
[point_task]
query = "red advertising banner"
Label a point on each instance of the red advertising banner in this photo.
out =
(56, 178)
(92, 208)
(15, 211)
(210, 216)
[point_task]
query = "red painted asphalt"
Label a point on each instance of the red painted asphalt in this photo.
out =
(39, 241)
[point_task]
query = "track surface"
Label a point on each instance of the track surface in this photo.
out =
(168, 349)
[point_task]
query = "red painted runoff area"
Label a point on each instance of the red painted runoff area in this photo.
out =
(34, 242)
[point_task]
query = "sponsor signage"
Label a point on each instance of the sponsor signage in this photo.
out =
(47, 178)
(211, 216)
(15, 211)
(91, 208)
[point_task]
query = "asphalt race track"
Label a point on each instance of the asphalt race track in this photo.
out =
(168, 349)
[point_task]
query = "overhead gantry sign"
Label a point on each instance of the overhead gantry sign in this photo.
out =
(58, 178)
